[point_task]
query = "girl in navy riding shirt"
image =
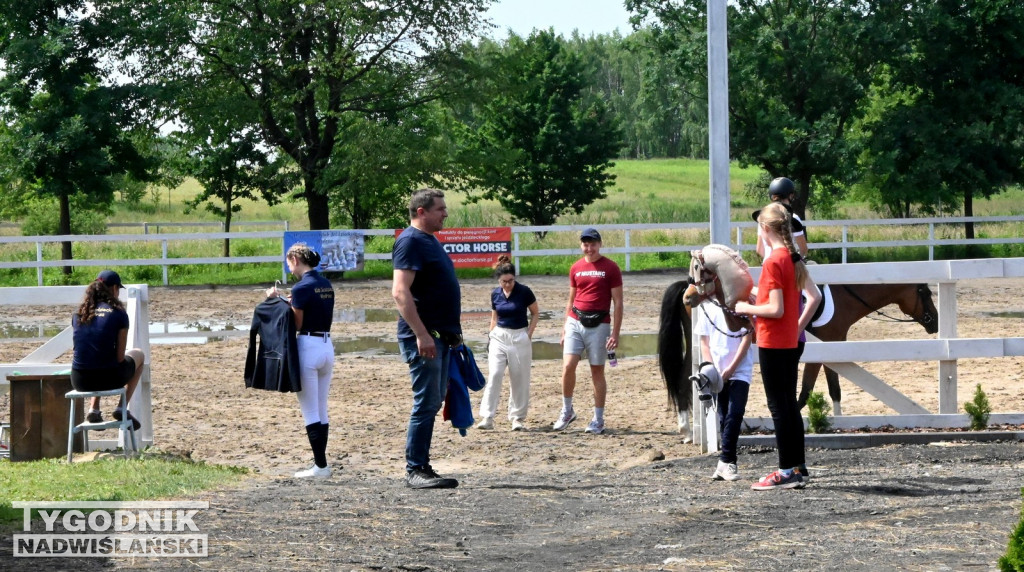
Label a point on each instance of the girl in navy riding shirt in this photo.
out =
(312, 301)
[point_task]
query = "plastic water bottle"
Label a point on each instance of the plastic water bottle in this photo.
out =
(611, 359)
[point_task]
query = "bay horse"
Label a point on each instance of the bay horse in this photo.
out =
(852, 302)
(849, 302)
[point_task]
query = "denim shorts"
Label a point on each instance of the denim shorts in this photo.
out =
(592, 340)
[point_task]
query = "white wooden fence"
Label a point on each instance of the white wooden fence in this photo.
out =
(42, 361)
(631, 242)
(946, 349)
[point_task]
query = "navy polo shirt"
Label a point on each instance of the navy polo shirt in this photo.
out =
(435, 289)
(314, 295)
(512, 311)
(95, 343)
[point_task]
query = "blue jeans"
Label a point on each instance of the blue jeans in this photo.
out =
(429, 383)
(732, 404)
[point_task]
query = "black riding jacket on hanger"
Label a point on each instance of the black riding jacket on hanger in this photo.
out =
(275, 365)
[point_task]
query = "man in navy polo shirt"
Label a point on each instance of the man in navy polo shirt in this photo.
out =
(429, 302)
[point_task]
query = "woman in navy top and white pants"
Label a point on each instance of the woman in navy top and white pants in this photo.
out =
(509, 345)
(312, 302)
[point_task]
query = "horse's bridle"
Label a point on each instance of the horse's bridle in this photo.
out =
(926, 316)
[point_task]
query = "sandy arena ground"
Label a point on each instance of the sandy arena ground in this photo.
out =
(202, 409)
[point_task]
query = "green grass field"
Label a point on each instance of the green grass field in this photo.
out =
(646, 192)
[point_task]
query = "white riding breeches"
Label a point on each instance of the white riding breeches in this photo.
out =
(512, 349)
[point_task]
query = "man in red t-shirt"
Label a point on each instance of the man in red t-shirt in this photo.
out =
(595, 288)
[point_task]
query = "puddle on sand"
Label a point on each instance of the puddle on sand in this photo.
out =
(631, 345)
(23, 331)
(1018, 314)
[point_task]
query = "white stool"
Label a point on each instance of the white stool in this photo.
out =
(125, 424)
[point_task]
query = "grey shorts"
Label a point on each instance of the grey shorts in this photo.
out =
(591, 340)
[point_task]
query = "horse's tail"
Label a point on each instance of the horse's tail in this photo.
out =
(674, 353)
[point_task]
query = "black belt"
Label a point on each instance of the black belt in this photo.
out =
(324, 335)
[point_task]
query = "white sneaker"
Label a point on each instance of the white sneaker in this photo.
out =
(726, 472)
(517, 425)
(596, 427)
(486, 423)
(314, 472)
(564, 419)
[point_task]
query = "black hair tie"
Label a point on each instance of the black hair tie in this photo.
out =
(795, 257)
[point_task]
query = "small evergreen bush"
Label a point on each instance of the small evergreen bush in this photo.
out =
(1013, 560)
(817, 413)
(979, 409)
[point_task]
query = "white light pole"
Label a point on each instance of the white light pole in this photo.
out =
(718, 121)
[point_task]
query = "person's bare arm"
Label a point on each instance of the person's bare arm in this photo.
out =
(613, 340)
(568, 312)
(730, 369)
(122, 344)
(773, 308)
(534, 316)
(813, 296)
(401, 291)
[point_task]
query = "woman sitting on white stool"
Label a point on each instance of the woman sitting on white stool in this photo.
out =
(100, 361)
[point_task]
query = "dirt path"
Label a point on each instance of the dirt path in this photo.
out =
(636, 498)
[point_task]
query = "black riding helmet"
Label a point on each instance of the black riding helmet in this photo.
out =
(781, 187)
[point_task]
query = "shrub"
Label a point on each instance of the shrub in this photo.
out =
(43, 218)
(979, 409)
(817, 413)
(1013, 560)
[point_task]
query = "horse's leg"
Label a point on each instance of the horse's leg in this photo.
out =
(807, 386)
(834, 391)
(685, 429)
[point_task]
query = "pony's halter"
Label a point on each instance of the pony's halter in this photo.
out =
(706, 277)
(926, 316)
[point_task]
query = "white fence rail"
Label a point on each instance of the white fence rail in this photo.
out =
(625, 239)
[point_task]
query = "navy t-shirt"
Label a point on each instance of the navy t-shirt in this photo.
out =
(314, 295)
(512, 311)
(435, 289)
(96, 342)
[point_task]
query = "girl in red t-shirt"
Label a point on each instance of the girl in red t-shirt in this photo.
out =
(777, 313)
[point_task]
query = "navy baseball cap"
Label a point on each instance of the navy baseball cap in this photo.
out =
(110, 278)
(590, 234)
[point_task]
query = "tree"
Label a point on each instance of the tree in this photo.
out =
(230, 168)
(658, 115)
(798, 70)
(67, 121)
(377, 163)
(308, 69)
(537, 145)
(945, 122)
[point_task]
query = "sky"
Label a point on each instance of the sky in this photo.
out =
(588, 16)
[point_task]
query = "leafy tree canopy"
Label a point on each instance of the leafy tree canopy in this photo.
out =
(307, 69)
(536, 143)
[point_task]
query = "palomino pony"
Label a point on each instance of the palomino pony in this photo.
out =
(849, 303)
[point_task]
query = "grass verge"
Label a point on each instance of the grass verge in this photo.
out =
(147, 477)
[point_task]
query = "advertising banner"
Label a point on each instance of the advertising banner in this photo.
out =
(475, 247)
(339, 250)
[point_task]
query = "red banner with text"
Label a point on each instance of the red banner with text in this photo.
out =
(475, 247)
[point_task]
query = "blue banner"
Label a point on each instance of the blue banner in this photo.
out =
(339, 250)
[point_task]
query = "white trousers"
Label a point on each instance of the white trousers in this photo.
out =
(316, 364)
(514, 350)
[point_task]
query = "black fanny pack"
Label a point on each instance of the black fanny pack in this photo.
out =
(589, 319)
